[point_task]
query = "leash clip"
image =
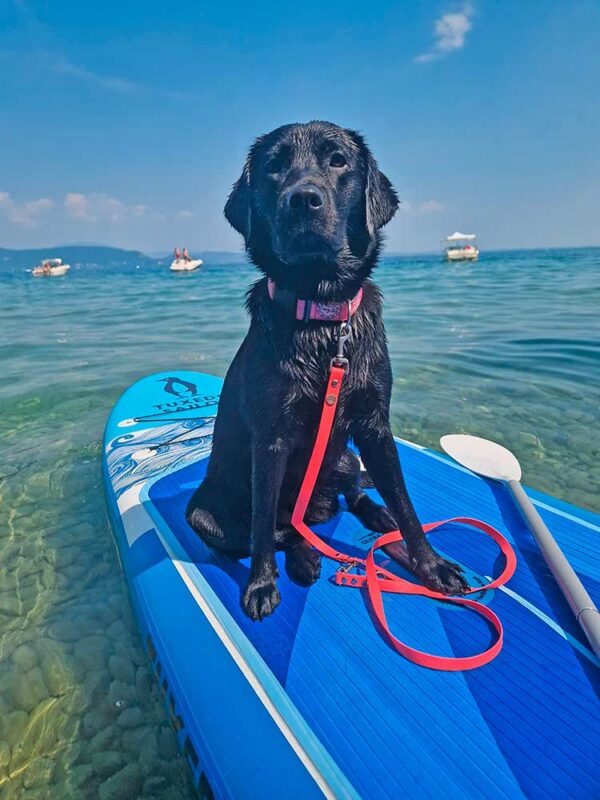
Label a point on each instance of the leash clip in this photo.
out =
(343, 334)
(347, 566)
(343, 576)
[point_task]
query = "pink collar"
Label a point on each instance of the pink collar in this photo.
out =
(322, 312)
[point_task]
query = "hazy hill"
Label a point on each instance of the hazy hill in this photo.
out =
(91, 255)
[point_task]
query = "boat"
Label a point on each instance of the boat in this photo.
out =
(313, 701)
(50, 268)
(460, 247)
(185, 264)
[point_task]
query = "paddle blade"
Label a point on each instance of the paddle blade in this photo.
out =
(483, 457)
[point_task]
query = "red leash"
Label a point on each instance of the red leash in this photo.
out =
(376, 578)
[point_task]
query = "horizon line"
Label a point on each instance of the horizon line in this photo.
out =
(384, 252)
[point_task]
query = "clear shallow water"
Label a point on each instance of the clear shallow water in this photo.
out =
(508, 348)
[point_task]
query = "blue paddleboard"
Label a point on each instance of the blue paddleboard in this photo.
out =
(312, 701)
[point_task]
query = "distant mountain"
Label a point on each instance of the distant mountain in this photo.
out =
(218, 257)
(91, 255)
(76, 255)
(82, 243)
(159, 255)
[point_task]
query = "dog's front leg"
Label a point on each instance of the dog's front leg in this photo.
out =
(269, 459)
(380, 456)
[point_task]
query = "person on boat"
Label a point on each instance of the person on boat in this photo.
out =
(177, 254)
(186, 255)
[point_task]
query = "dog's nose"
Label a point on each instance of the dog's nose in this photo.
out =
(305, 199)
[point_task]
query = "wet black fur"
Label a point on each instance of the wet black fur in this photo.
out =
(273, 392)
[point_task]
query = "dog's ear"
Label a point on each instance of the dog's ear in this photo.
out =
(381, 200)
(238, 208)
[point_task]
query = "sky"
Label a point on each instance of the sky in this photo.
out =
(126, 123)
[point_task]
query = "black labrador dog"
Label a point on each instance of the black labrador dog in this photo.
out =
(310, 204)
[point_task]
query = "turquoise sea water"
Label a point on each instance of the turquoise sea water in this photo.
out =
(507, 348)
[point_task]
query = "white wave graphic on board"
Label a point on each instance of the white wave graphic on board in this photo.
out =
(144, 454)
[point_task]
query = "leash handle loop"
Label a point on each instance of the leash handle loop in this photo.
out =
(376, 578)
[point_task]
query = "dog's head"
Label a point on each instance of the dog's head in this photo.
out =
(310, 203)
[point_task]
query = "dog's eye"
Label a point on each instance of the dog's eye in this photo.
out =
(278, 164)
(337, 160)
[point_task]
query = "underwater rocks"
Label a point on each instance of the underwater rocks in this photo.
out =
(4, 755)
(12, 726)
(10, 605)
(528, 439)
(23, 690)
(143, 684)
(127, 782)
(86, 734)
(80, 715)
(66, 630)
(38, 773)
(61, 672)
(114, 709)
(121, 669)
(25, 657)
(131, 718)
(121, 694)
(103, 740)
(91, 651)
(108, 763)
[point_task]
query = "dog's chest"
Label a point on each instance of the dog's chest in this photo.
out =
(301, 357)
(305, 398)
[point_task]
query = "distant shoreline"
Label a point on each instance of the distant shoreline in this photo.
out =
(105, 256)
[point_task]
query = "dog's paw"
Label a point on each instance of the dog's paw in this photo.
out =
(303, 565)
(440, 575)
(260, 599)
(379, 520)
(373, 516)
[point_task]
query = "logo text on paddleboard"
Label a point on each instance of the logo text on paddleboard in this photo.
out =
(179, 387)
(187, 396)
(187, 404)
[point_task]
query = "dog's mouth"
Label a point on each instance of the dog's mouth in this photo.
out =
(307, 246)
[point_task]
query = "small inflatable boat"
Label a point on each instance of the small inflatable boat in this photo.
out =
(185, 264)
(313, 701)
(50, 268)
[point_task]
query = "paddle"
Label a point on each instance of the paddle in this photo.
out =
(491, 460)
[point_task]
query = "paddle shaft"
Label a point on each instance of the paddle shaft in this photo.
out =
(574, 591)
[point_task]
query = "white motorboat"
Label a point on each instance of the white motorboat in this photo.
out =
(50, 268)
(186, 264)
(460, 247)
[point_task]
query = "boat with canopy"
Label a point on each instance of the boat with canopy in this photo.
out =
(460, 247)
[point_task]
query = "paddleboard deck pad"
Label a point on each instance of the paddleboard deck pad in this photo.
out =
(312, 701)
